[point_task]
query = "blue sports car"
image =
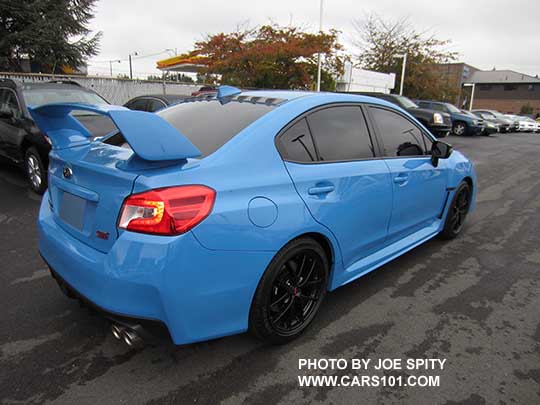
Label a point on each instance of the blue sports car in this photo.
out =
(239, 211)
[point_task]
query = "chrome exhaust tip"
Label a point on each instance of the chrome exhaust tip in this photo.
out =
(131, 338)
(117, 331)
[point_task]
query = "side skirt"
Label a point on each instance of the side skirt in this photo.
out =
(383, 256)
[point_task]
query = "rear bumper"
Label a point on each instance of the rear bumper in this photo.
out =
(197, 293)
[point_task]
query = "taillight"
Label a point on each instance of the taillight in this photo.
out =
(167, 211)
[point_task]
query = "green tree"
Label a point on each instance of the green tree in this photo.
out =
(50, 33)
(380, 41)
(526, 109)
(270, 56)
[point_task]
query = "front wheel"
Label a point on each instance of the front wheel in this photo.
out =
(457, 212)
(35, 171)
(459, 128)
(290, 292)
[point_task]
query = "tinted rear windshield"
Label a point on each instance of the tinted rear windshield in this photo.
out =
(36, 96)
(208, 124)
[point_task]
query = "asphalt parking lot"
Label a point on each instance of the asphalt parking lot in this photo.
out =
(473, 301)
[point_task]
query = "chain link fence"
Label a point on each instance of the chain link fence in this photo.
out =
(116, 91)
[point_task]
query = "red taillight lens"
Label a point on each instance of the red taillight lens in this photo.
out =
(167, 211)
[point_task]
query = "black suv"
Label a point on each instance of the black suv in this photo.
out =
(439, 123)
(21, 141)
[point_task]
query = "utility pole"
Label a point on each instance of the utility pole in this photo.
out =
(110, 65)
(319, 54)
(130, 67)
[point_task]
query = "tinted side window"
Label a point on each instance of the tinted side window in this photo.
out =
(340, 133)
(295, 143)
(424, 104)
(8, 102)
(400, 136)
(139, 104)
(438, 107)
(154, 105)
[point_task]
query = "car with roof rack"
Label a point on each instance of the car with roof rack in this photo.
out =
(21, 141)
(239, 211)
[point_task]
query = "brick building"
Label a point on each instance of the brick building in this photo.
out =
(503, 90)
(455, 75)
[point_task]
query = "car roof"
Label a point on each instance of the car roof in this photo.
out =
(326, 97)
(51, 85)
(164, 97)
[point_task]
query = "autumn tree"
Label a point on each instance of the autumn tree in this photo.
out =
(49, 33)
(380, 41)
(270, 56)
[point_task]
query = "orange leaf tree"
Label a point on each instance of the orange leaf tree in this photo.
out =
(272, 57)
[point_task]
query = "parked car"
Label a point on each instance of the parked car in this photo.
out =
(241, 211)
(505, 124)
(439, 123)
(153, 103)
(21, 141)
(523, 124)
(461, 124)
(533, 124)
(205, 90)
(489, 126)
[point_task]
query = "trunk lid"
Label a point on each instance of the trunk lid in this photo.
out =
(86, 191)
(88, 181)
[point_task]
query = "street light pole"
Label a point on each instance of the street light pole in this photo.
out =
(319, 54)
(403, 65)
(110, 65)
(472, 86)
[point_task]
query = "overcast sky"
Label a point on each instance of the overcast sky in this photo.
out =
(486, 33)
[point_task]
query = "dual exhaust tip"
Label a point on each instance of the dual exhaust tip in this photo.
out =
(129, 336)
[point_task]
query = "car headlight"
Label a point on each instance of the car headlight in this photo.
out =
(437, 118)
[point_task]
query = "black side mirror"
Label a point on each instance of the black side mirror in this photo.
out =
(440, 150)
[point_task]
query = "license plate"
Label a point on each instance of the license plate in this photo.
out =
(72, 209)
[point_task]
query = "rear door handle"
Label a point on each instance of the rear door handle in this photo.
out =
(401, 178)
(321, 189)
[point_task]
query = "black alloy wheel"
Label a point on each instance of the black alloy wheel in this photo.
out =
(457, 212)
(290, 292)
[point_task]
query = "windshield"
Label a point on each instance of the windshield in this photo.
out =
(406, 102)
(470, 114)
(452, 108)
(45, 95)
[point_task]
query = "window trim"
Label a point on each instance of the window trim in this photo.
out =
(379, 137)
(305, 114)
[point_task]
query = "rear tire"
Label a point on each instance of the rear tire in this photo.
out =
(457, 212)
(290, 292)
(35, 170)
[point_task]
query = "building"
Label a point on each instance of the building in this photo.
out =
(504, 90)
(355, 80)
(455, 75)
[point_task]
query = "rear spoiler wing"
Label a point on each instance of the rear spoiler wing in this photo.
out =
(151, 137)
